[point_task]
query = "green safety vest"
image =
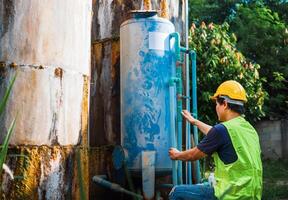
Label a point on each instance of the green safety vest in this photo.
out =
(241, 179)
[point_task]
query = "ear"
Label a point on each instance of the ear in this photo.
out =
(225, 104)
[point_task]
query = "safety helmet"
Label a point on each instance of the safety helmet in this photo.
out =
(231, 89)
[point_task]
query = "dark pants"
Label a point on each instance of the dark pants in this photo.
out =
(192, 192)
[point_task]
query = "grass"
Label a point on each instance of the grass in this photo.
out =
(275, 180)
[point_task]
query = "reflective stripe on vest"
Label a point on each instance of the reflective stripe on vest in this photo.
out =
(241, 179)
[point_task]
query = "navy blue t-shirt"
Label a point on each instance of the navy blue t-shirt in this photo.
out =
(218, 140)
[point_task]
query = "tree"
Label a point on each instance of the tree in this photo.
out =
(281, 7)
(218, 60)
(208, 11)
(263, 38)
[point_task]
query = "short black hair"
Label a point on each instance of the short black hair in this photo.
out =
(235, 107)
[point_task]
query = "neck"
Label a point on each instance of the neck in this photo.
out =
(231, 115)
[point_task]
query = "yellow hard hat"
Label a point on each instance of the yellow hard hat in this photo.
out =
(232, 89)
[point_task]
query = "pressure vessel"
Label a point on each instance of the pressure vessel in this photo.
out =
(146, 67)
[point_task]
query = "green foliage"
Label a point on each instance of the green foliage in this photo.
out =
(215, 11)
(217, 61)
(281, 7)
(263, 38)
(4, 147)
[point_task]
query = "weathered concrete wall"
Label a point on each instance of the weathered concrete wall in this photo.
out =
(104, 99)
(48, 43)
(44, 99)
(105, 93)
(46, 173)
(47, 33)
(273, 138)
(109, 14)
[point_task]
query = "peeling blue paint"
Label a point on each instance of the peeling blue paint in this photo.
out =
(145, 108)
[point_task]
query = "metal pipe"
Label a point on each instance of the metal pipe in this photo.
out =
(194, 109)
(114, 187)
(188, 128)
(172, 126)
(179, 90)
(179, 99)
(176, 36)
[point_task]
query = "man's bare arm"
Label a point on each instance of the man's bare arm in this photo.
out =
(188, 155)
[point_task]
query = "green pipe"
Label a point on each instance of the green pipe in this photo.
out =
(179, 93)
(188, 127)
(172, 126)
(194, 109)
(176, 36)
(177, 49)
(115, 187)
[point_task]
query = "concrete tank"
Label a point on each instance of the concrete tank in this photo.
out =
(147, 65)
(50, 43)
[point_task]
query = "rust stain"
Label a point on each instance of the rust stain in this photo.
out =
(105, 93)
(85, 111)
(164, 9)
(38, 156)
(97, 53)
(115, 56)
(147, 5)
(84, 153)
(13, 65)
(58, 72)
(2, 64)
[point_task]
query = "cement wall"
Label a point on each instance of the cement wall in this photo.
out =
(273, 138)
(50, 43)
(109, 14)
(47, 43)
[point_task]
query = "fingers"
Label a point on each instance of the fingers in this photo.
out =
(172, 153)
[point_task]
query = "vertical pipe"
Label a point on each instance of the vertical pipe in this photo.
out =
(194, 109)
(179, 115)
(179, 99)
(172, 125)
(188, 128)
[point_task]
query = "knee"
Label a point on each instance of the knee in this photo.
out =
(173, 195)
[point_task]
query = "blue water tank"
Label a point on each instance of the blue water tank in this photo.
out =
(147, 64)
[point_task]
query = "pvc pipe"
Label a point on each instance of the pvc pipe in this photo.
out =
(179, 118)
(176, 44)
(172, 126)
(194, 109)
(188, 128)
(179, 99)
(114, 187)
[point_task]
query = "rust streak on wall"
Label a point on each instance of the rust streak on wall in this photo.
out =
(48, 172)
(85, 111)
(104, 94)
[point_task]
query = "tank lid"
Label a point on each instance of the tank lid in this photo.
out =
(143, 13)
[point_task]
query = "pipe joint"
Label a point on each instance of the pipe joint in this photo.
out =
(174, 80)
(192, 55)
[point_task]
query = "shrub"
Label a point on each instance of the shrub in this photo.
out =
(217, 61)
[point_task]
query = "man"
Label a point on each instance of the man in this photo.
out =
(234, 145)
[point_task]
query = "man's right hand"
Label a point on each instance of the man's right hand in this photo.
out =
(188, 116)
